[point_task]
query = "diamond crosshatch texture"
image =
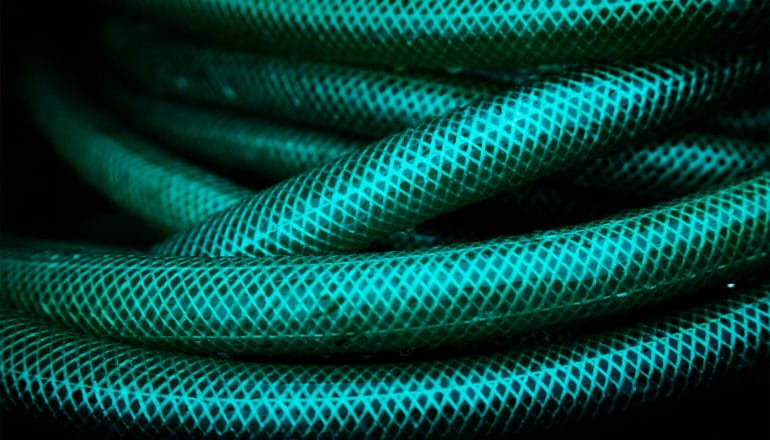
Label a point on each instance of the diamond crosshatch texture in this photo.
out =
(352, 99)
(465, 32)
(678, 162)
(476, 218)
(438, 296)
(78, 376)
(155, 185)
(461, 157)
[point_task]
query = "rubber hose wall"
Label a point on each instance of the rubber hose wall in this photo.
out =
(378, 219)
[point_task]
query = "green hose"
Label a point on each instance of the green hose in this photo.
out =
(678, 162)
(437, 296)
(164, 393)
(463, 156)
(465, 32)
(424, 196)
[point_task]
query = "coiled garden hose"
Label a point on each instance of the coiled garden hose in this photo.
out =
(161, 393)
(376, 121)
(676, 164)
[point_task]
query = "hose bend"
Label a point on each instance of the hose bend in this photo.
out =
(396, 219)
(82, 377)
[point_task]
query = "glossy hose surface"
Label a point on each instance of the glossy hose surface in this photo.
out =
(681, 163)
(153, 184)
(141, 390)
(465, 32)
(437, 296)
(463, 156)
(283, 312)
(350, 99)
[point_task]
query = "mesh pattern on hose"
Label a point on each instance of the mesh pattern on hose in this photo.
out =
(465, 32)
(270, 149)
(462, 157)
(352, 99)
(462, 120)
(158, 392)
(670, 166)
(146, 181)
(151, 183)
(675, 166)
(324, 304)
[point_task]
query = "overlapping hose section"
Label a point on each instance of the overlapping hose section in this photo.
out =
(77, 375)
(399, 219)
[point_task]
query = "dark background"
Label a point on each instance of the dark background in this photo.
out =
(41, 197)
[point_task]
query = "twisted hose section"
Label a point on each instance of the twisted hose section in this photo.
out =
(467, 32)
(346, 98)
(173, 194)
(463, 156)
(153, 184)
(674, 166)
(154, 341)
(670, 166)
(431, 297)
(84, 378)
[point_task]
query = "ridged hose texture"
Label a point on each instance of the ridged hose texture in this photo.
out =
(352, 99)
(676, 164)
(173, 195)
(437, 296)
(464, 156)
(385, 119)
(153, 184)
(466, 32)
(140, 390)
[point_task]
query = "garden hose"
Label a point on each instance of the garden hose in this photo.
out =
(463, 156)
(165, 393)
(679, 162)
(461, 198)
(465, 33)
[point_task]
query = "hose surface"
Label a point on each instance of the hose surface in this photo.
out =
(78, 376)
(398, 219)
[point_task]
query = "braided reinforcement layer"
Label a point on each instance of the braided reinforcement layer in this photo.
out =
(268, 148)
(675, 165)
(365, 101)
(386, 120)
(466, 32)
(437, 296)
(150, 182)
(461, 157)
(83, 377)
